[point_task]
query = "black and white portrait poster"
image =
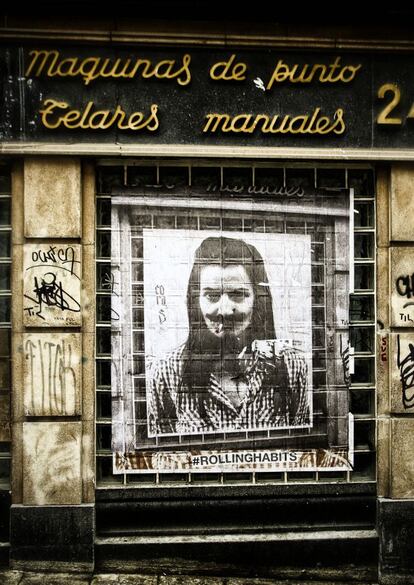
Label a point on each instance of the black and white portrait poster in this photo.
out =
(215, 362)
(230, 347)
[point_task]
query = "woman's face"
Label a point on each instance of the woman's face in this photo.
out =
(226, 299)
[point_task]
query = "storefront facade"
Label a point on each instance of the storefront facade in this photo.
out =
(205, 301)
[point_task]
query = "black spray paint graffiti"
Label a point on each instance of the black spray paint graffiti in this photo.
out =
(109, 283)
(345, 356)
(405, 288)
(52, 376)
(406, 367)
(50, 293)
(54, 257)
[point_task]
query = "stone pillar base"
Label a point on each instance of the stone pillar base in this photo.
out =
(396, 536)
(52, 537)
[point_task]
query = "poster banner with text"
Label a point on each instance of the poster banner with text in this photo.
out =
(230, 347)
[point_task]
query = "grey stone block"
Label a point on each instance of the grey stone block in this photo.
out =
(52, 538)
(396, 536)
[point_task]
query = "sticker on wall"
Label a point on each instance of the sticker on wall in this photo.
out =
(52, 285)
(230, 345)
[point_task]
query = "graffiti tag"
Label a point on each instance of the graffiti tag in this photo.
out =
(383, 349)
(52, 375)
(345, 356)
(406, 367)
(50, 293)
(64, 258)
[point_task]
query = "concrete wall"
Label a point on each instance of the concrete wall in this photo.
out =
(395, 380)
(53, 361)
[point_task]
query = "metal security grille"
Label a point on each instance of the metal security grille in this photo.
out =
(5, 325)
(115, 178)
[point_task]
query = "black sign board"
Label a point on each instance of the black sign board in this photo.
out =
(270, 98)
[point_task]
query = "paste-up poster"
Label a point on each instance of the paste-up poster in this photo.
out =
(230, 346)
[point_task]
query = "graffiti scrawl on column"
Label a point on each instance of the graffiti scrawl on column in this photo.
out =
(52, 274)
(405, 363)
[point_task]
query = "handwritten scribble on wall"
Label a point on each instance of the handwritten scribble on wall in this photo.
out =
(52, 277)
(52, 370)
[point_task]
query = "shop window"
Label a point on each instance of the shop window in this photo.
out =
(311, 233)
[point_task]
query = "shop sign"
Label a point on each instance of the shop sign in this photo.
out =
(207, 97)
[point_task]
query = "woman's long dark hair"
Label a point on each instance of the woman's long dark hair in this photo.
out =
(223, 251)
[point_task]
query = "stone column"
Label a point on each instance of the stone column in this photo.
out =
(395, 380)
(52, 514)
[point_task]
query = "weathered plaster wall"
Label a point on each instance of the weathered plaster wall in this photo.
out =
(53, 284)
(395, 379)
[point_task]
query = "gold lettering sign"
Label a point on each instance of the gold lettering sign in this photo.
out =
(228, 70)
(314, 123)
(51, 64)
(57, 113)
(333, 73)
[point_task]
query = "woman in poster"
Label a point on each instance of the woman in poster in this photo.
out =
(232, 373)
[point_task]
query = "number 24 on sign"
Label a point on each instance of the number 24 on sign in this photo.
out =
(392, 93)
